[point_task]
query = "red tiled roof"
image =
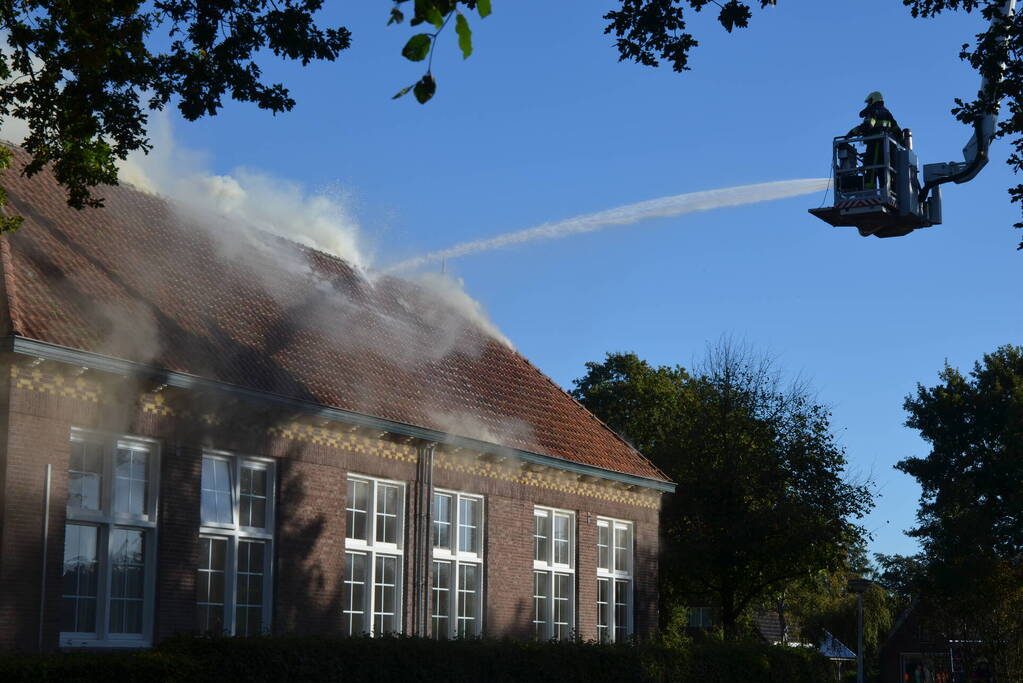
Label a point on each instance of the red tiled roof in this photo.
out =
(135, 280)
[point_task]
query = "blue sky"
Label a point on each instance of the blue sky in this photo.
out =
(542, 123)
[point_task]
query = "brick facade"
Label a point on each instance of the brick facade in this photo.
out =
(41, 406)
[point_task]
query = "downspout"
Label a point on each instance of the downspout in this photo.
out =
(421, 558)
(46, 543)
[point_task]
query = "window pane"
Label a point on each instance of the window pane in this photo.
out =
(603, 609)
(541, 534)
(357, 510)
(253, 496)
(355, 585)
(621, 610)
(385, 598)
(387, 514)
(701, 617)
(603, 547)
(468, 525)
(249, 594)
(622, 544)
(562, 546)
(441, 520)
(468, 599)
(217, 505)
(540, 604)
(78, 600)
(210, 585)
(441, 599)
(562, 606)
(85, 474)
(131, 475)
(127, 577)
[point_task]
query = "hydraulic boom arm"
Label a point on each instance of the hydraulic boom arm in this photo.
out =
(975, 153)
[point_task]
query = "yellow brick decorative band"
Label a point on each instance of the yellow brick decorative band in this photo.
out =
(346, 440)
(467, 464)
(34, 379)
(554, 481)
(155, 404)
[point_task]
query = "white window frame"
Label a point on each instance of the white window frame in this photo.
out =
(700, 617)
(373, 549)
(546, 569)
(105, 521)
(234, 533)
(615, 575)
(456, 558)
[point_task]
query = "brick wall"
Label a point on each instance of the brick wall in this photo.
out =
(310, 548)
(586, 575)
(177, 540)
(32, 442)
(508, 598)
(311, 477)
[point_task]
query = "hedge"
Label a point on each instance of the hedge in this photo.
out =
(286, 658)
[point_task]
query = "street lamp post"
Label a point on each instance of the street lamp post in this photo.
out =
(859, 586)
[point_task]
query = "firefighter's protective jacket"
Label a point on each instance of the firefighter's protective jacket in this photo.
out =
(877, 119)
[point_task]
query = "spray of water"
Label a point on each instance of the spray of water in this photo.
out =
(627, 215)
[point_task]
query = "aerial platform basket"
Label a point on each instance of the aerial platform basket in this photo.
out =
(877, 187)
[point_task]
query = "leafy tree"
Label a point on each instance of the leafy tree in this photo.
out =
(823, 603)
(761, 501)
(84, 74)
(970, 520)
(900, 575)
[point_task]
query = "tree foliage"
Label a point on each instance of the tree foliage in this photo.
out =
(970, 520)
(996, 54)
(83, 75)
(761, 500)
(971, 500)
(824, 604)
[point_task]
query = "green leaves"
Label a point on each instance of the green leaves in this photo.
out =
(733, 14)
(417, 47)
(420, 46)
(464, 35)
(762, 498)
(84, 76)
(7, 223)
(434, 16)
(425, 89)
(969, 517)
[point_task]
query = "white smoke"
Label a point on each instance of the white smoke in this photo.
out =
(245, 197)
(457, 302)
(627, 215)
(230, 205)
(506, 431)
(14, 129)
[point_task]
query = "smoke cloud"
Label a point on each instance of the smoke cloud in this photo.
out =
(238, 209)
(246, 198)
(627, 215)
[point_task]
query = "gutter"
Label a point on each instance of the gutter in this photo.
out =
(117, 366)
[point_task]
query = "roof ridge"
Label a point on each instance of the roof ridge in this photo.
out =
(586, 411)
(8, 301)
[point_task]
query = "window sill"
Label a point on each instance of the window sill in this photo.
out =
(76, 642)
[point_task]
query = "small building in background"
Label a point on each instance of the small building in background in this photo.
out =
(205, 429)
(919, 648)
